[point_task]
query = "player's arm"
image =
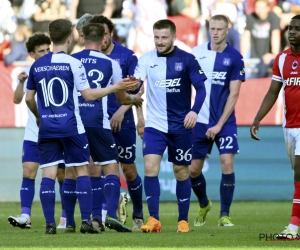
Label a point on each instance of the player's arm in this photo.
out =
(266, 105)
(117, 118)
(19, 92)
(198, 78)
(126, 99)
(29, 98)
(122, 86)
(234, 90)
(140, 118)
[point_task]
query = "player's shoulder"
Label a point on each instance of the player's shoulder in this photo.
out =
(182, 53)
(122, 49)
(285, 52)
(200, 47)
(148, 56)
(64, 58)
(233, 52)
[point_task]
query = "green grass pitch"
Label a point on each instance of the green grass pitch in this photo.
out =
(250, 218)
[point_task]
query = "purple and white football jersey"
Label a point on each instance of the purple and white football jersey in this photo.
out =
(101, 73)
(220, 69)
(127, 61)
(169, 80)
(57, 78)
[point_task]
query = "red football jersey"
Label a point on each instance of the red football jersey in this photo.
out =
(286, 69)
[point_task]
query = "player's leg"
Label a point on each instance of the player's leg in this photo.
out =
(77, 154)
(126, 142)
(180, 154)
(51, 154)
(227, 144)
(60, 180)
(154, 145)
(292, 142)
(201, 149)
(97, 187)
(104, 152)
(30, 163)
(70, 198)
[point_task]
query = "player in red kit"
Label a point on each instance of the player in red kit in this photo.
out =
(286, 75)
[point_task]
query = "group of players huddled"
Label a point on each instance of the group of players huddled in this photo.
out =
(82, 104)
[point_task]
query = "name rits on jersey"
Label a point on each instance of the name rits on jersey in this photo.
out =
(292, 81)
(169, 84)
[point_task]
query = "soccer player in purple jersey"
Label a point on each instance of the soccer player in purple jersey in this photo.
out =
(102, 72)
(170, 73)
(224, 68)
(123, 125)
(37, 46)
(56, 78)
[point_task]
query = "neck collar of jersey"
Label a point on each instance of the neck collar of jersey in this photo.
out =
(290, 51)
(167, 55)
(209, 47)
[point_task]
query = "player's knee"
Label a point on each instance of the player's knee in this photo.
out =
(130, 171)
(227, 167)
(181, 172)
(151, 169)
(27, 173)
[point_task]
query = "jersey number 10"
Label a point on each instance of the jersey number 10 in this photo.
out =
(48, 92)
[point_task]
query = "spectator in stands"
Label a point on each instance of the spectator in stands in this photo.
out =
(185, 14)
(45, 12)
(17, 50)
(145, 14)
(261, 37)
(105, 7)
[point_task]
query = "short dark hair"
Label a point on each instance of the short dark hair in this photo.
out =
(165, 24)
(297, 17)
(102, 20)
(37, 39)
(59, 30)
(93, 33)
(220, 18)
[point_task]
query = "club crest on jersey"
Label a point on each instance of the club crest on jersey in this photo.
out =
(294, 65)
(178, 66)
(226, 61)
(117, 60)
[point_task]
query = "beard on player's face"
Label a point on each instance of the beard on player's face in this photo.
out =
(106, 44)
(164, 48)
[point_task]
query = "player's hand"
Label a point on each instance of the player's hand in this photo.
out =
(22, 77)
(130, 83)
(213, 131)
(116, 121)
(137, 99)
(190, 120)
(254, 129)
(140, 127)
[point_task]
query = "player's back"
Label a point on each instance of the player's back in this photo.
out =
(54, 77)
(168, 88)
(127, 61)
(220, 69)
(101, 73)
